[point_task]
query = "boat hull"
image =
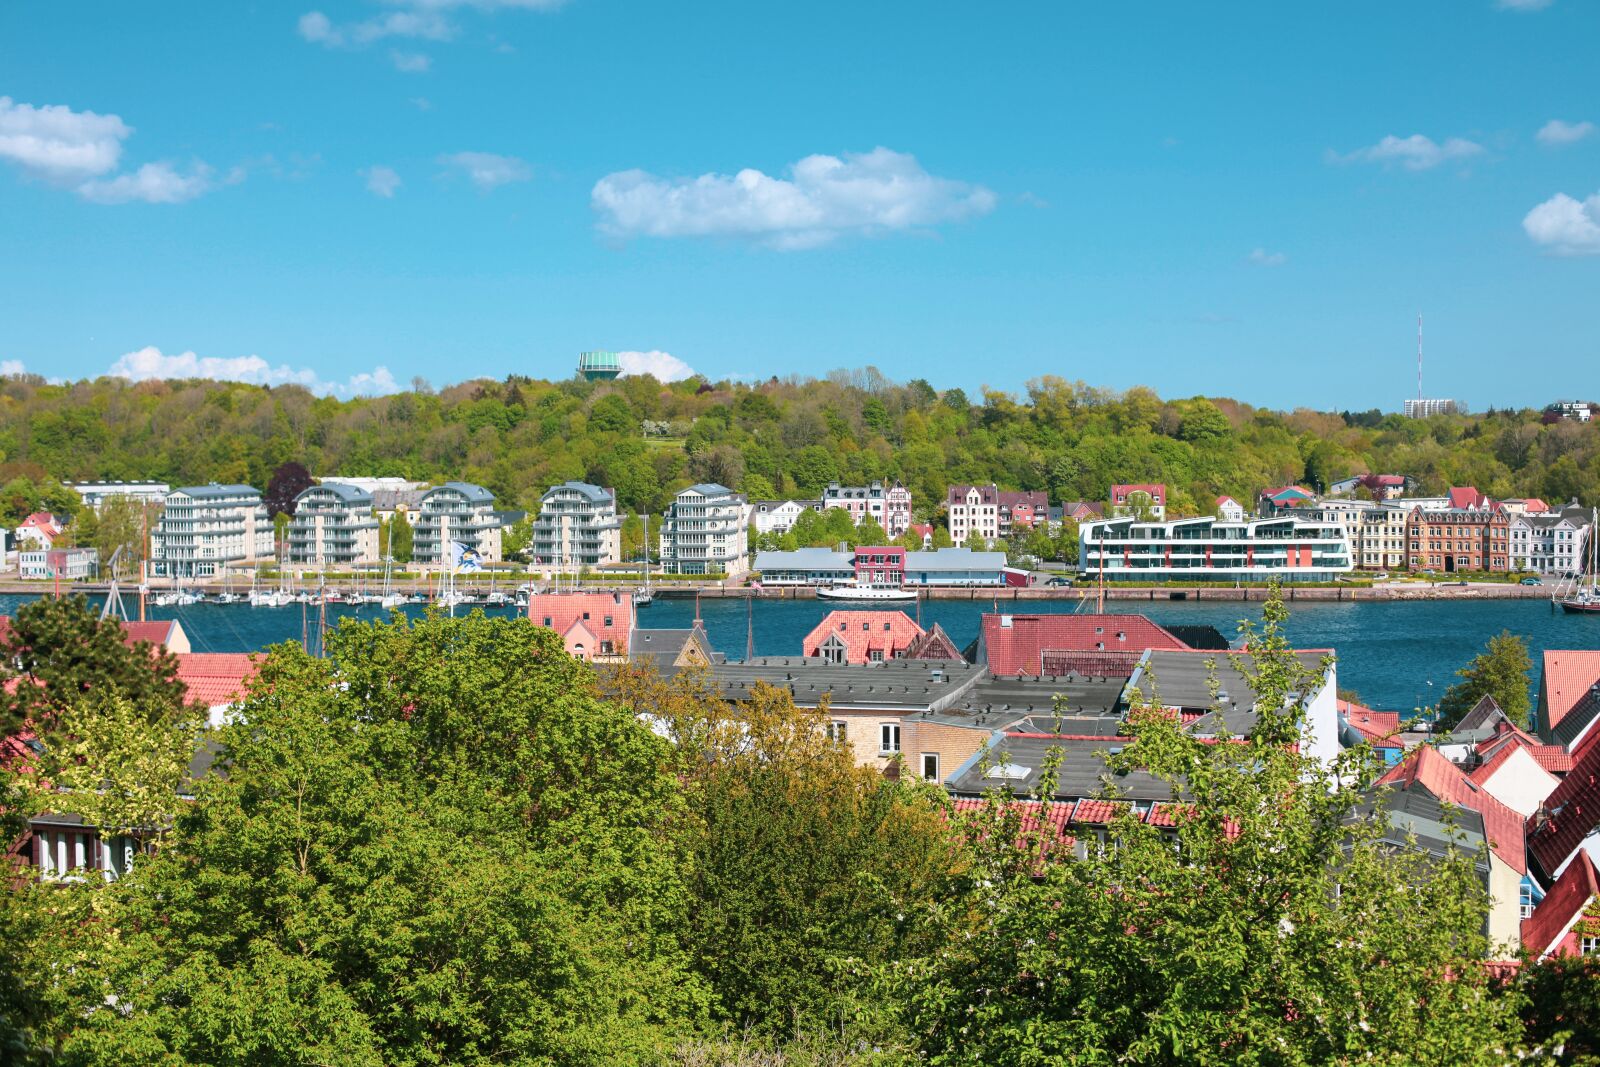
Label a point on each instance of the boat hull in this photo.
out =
(1577, 607)
(868, 596)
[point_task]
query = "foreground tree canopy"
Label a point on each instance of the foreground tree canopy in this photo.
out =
(447, 842)
(768, 439)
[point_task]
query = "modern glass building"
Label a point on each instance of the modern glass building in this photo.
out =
(1206, 550)
(598, 366)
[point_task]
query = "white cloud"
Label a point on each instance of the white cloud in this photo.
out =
(665, 366)
(1566, 226)
(10, 368)
(382, 181)
(1556, 132)
(1523, 5)
(59, 144)
(317, 28)
(154, 183)
(487, 170)
(1262, 258)
(150, 362)
(1413, 153)
(410, 62)
(823, 197)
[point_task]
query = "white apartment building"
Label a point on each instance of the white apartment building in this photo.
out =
(456, 511)
(779, 516)
(704, 532)
(1419, 408)
(1552, 542)
(577, 527)
(973, 509)
(333, 526)
(372, 485)
(95, 494)
(206, 527)
(1203, 549)
(889, 507)
(59, 564)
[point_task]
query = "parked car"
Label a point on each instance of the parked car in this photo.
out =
(1532, 581)
(1058, 580)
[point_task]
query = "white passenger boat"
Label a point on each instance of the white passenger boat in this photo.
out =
(868, 594)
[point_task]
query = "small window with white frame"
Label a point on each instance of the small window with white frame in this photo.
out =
(930, 766)
(889, 737)
(838, 731)
(1589, 944)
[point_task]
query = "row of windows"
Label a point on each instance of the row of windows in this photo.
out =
(888, 744)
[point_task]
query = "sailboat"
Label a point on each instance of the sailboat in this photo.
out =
(227, 596)
(642, 597)
(1583, 598)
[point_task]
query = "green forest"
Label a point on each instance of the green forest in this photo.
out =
(771, 439)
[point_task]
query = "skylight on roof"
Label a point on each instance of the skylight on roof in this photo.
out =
(1008, 771)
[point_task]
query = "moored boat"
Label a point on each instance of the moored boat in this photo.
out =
(1583, 598)
(868, 594)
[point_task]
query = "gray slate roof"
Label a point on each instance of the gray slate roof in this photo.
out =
(900, 685)
(216, 492)
(475, 494)
(348, 495)
(1018, 763)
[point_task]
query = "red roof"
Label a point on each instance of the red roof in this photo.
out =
(215, 678)
(41, 520)
(1565, 680)
(1568, 814)
(1368, 721)
(1157, 491)
(1427, 768)
(1017, 648)
(1467, 498)
(1098, 811)
(864, 632)
(157, 632)
(1533, 505)
(1550, 922)
(1552, 758)
(570, 614)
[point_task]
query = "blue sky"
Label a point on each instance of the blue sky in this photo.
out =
(1241, 199)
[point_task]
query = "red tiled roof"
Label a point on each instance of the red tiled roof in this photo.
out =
(566, 611)
(1018, 648)
(215, 678)
(1427, 768)
(157, 632)
(1056, 814)
(1098, 811)
(1157, 491)
(1553, 758)
(1565, 680)
(41, 520)
(1567, 899)
(889, 632)
(1363, 718)
(1533, 505)
(1568, 814)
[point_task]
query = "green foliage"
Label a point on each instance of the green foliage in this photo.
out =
(396, 537)
(1562, 1004)
(1500, 671)
(515, 539)
(58, 650)
(123, 522)
(22, 496)
(770, 439)
(1246, 938)
(456, 855)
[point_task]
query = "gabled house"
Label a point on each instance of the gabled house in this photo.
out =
(216, 681)
(1284, 498)
(593, 626)
(1050, 645)
(39, 530)
(1426, 770)
(1567, 921)
(1146, 500)
(856, 637)
(1379, 729)
(1512, 773)
(1569, 697)
(923, 530)
(672, 650)
(1568, 822)
(1229, 509)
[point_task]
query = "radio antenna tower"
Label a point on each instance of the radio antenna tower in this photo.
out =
(1419, 355)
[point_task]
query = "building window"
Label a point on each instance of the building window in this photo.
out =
(930, 766)
(838, 731)
(1525, 904)
(1589, 944)
(889, 735)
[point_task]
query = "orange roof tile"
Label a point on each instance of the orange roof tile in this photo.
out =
(1568, 814)
(1565, 680)
(1015, 644)
(1567, 899)
(562, 612)
(863, 632)
(1427, 768)
(215, 678)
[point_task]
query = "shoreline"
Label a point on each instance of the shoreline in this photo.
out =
(1392, 592)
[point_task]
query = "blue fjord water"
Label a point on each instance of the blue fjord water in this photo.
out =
(1389, 652)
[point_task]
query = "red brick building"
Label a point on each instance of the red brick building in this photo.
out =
(1459, 539)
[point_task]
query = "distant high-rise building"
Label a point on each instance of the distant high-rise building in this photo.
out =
(1421, 408)
(598, 366)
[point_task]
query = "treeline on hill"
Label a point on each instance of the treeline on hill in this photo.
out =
(776, 438)
(448, 842)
